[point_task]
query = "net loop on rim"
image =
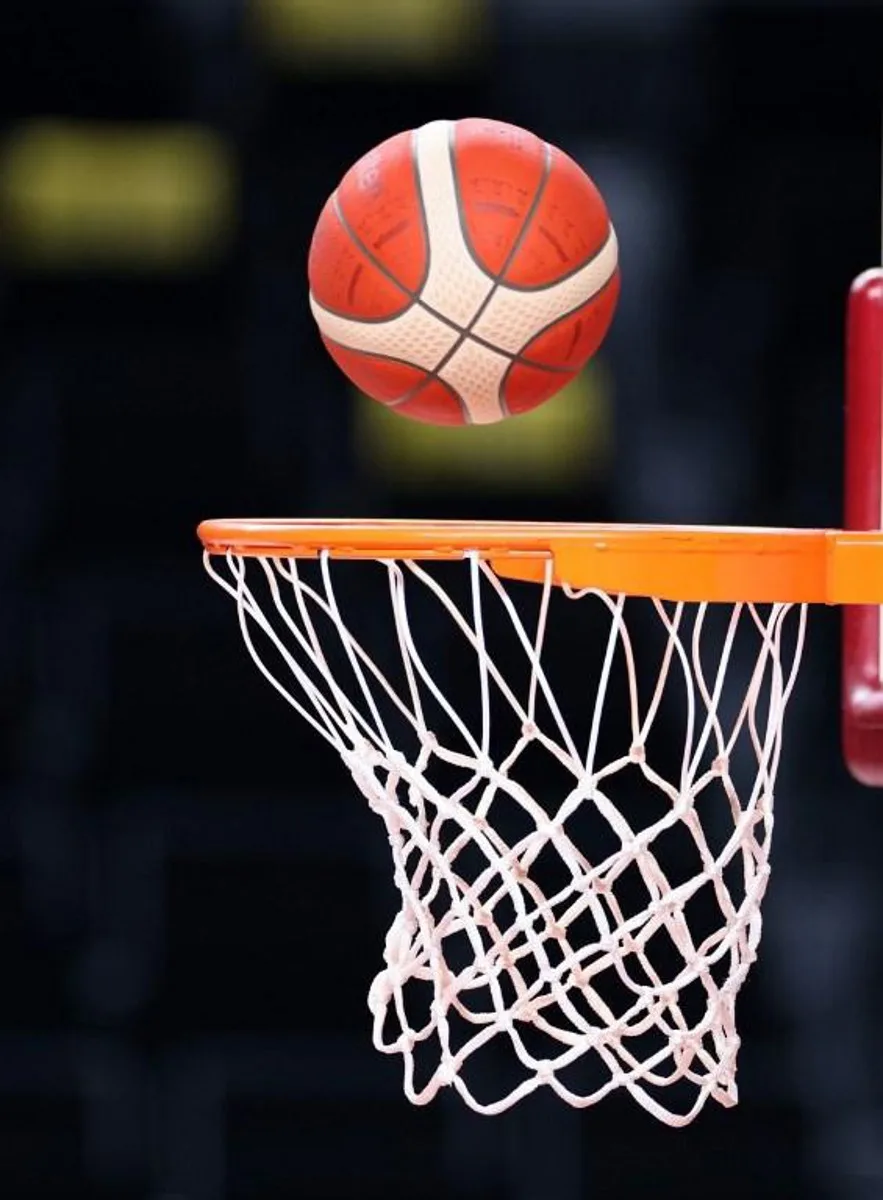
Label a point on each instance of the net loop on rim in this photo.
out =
(597, 964)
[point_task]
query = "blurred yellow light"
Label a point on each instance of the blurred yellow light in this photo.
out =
(75, 195)
(369, 32)
(558, 446)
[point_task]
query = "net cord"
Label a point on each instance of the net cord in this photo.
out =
(416, 813)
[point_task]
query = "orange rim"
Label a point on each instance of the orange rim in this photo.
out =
(824, 566)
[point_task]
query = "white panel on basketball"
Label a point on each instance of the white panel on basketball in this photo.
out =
(455, 284)
(476, 374)
(416, 336)
(514, 317)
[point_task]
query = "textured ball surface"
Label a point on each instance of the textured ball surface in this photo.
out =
(463, 272)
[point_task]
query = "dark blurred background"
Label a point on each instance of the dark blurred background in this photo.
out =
(192, 897)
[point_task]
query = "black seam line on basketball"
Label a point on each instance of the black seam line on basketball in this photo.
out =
(429, 377)
(514, 359)
(468, 334)
(516, 246)
(510, 257)
(587, 262)
(415, 391)
(461, 215)
(562, 317)
(522, 358)
(421, 210)
(463, 334)
(375, 262)
(413, 295)
(497, 278)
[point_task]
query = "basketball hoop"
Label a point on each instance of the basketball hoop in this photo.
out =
(597, 928)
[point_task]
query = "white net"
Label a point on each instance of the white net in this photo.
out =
(579, 907)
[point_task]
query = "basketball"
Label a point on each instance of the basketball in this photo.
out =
(463, 272)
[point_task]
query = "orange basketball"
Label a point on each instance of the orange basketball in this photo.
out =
(463, 272)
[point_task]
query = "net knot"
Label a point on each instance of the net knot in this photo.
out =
(668, 998)
(663, 906)
(545, 1071)
(396, 761)
(595, 1037)
(579, 978)
(485, 766)
(640, 843)
(637, 752)
(628, 944)
(684, 802)
(447, 1072)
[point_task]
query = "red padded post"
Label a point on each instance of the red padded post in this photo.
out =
(862, 699)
